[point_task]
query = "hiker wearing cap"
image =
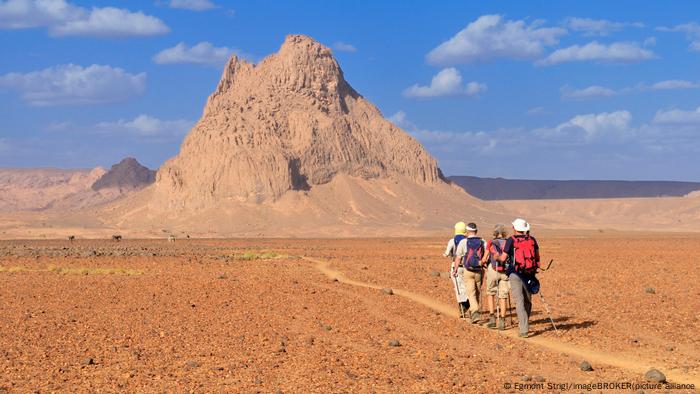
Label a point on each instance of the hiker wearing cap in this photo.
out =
(497, 284)
(456, 272)
(471, 256)
(523, 256)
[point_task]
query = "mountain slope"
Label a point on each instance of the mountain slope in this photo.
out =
(524, 189)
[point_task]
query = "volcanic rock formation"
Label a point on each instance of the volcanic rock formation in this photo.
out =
(127, 174)
(291, 122)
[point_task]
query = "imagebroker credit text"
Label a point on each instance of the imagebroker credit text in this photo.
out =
(518, 386)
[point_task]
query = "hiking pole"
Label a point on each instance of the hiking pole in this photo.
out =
(510, 311)
(549, 313)
(548, 266)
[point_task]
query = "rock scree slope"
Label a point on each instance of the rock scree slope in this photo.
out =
(288, 144)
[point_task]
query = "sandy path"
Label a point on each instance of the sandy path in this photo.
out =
(638, 365)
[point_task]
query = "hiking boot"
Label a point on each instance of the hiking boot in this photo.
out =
(492, 322)
(475, 317)
(523, 335)
(501, 323)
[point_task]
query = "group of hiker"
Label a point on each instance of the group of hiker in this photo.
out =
(509, 265)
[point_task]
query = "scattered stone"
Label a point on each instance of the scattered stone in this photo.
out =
(650, 290)
(586, 366)
(87, 361)
(670, 348)
(310, 341)
(526, 378)
(394, 343)
(435, 274)
(538, 378)
(640, 391)
(221, 276)
(635, 340)
(258, 381)
(327, 328)
(193, 364)
(335, 279)
(387, 291)
(654, 375)
(281, 349)
(499, 346)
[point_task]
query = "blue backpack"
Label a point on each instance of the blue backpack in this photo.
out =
(475, 251)
(458, 238)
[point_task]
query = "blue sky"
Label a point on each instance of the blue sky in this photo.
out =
(538, 89)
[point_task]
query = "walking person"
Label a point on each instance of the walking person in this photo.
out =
(522, 253)
(471, 256)
(497, 284)
(456, 272)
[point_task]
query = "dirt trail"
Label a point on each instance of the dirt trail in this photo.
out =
(621, 361)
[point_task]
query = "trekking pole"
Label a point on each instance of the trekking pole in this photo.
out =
(549, 313)
(510, 311)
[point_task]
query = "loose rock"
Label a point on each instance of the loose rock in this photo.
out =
(435, 274)
(538, 378)
(87, 361)
(650, 290)
(192, 364)
(394, 343)
(586, 366)
(526, 378)
(387, 291)
(654, 375)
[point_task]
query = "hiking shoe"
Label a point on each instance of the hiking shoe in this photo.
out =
(523, 335)
(475, 317)
(501, 323)
(492, 322)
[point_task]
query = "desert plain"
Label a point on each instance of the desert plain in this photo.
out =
(338, 315)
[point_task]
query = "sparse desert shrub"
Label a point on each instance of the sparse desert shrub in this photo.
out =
(256, 256)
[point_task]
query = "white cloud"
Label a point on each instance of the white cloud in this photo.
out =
(649, 42)
(589, 92)
(72, 84)
(65, 19)
(536, 111)
(399, 119)
(344, 47)
(202, 53)
(691, 30)
(22, 14)
(678, 117)
(675, 84)
(146, 126)
(192, 5)
(591, 126)
(491, 37)
(597, 27)
(447, 82)
(617, 52)
(593, 27)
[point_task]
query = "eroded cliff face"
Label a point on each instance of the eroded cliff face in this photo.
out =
(290, 122)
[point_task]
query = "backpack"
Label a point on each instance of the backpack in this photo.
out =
(475, 251)
(524, 254)
(496, 248)
(458, 238)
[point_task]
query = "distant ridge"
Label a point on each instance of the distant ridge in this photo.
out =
(525, 189)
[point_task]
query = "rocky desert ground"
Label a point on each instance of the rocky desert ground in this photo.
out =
(337, 315)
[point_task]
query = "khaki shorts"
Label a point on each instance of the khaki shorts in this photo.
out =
(497, 282)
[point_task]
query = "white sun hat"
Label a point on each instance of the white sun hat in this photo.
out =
(521, 225)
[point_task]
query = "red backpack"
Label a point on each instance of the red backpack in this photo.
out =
(495, 247)
(524, 254)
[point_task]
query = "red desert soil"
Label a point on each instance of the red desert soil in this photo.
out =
(228, 316)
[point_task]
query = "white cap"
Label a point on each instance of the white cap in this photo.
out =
(521, 225)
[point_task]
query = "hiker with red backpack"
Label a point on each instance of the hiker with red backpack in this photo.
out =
(471, 257)
(497, 284)
(522, 254)
(456, 274)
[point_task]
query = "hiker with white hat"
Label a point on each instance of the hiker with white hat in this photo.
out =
(471, 257)
(456, 272)
(497, 284)
(522, 253)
